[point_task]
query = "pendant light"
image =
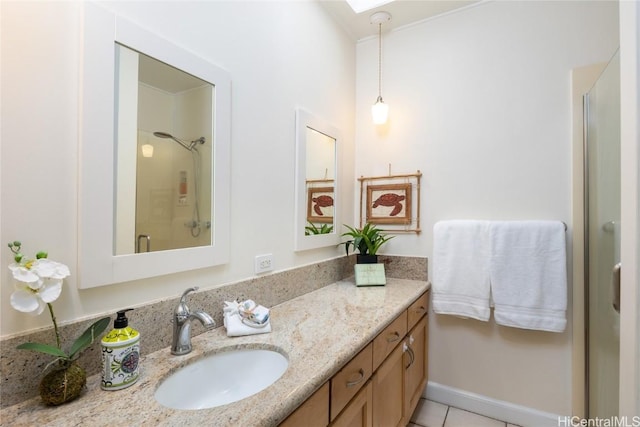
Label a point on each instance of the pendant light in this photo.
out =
(380, 110)
(147, 150)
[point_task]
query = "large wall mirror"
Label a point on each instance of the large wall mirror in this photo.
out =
(155, 152)
(317, 207)
(165, 122)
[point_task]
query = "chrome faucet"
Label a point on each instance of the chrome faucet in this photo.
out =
(182, 317)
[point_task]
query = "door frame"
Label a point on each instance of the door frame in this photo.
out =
(582, 80)
(630, 208)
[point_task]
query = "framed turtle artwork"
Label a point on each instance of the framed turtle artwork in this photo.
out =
(393, 201)
(389, 203)
(320, 204)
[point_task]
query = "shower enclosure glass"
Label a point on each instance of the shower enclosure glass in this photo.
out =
(602, 234)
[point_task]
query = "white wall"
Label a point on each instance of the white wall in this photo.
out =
(280, 55)
(480, 103)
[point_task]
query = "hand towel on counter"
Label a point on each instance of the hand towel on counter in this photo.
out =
(529, 274)
(461, 268)
(246, 318)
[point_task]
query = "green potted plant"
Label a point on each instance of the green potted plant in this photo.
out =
(367, 241)
(313, 229)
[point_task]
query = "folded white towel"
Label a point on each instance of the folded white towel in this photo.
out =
(461, 268)
(529, 274)
(245, 318)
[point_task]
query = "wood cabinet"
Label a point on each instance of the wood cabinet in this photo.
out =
(388, 339)
(388, 386)
(359, 412)
(417, 309)
(346, 383)
(382, 384)
(399, 381)
(314, 412)
(416, 366)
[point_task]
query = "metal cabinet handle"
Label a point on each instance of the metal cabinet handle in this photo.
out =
(395, 337)
(615, 283)
(412, 356)
(358, 381)
(421, 310)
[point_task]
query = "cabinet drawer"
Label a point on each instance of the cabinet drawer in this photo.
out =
(346, 383)
(388, 339)
(314, 412)
(417, 310)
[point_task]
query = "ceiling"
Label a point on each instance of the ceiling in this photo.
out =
(165, 77)
(403, 12)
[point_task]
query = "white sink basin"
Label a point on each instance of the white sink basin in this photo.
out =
(221, 378)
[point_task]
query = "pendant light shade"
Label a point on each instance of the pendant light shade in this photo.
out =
(380, 110)
(147, 150)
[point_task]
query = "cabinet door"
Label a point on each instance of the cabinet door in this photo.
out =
(358, 413)
(389, 391)
(416, 362)
(314, 412)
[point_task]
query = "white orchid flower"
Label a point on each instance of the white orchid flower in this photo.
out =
(39, 283)
(45, 268)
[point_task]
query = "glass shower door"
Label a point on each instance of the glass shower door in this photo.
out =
(602, 210)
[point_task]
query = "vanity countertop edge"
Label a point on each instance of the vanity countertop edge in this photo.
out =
(319, 332)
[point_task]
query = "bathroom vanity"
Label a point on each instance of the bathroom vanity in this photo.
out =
(357, 356)
(381, 385)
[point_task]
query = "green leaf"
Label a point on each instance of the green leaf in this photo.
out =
(43, 348)
(89, 336)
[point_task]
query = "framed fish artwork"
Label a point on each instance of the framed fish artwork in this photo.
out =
(320, 204)
(389, 203)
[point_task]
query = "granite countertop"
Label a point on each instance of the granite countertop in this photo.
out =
(318, 332)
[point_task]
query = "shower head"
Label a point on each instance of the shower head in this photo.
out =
(190, 146)
(162, 135)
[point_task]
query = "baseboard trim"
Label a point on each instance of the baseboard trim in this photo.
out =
(493, 408)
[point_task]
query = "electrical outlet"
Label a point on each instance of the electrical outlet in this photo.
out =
(263, 263)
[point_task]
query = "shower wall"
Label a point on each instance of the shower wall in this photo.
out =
(165, 193)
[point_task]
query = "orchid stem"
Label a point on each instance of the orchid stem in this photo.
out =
(55, 324)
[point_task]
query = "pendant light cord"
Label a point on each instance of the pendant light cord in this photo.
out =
(380, 60)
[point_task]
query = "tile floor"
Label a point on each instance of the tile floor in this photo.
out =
(434, 414)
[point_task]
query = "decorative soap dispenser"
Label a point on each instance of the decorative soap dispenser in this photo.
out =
(120, 354)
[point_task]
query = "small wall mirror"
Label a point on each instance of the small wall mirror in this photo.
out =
(317, 147)
(154, 155)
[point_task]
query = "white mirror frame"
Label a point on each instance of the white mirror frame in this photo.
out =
(305, 119)
(97, 264)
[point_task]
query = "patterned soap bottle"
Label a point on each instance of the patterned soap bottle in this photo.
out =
(120, 354)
